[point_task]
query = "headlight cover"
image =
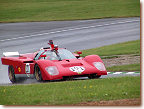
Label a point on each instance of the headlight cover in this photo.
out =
(52, 70)
(100, 66)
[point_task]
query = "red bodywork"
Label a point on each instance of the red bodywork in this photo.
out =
(63, 66)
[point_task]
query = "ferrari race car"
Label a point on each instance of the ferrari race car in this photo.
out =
(52, 63)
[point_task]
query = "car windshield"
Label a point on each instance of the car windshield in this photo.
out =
(62, 54)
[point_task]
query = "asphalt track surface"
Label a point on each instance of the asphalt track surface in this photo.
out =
(73, 35)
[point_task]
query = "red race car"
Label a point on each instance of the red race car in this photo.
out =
(53, 63)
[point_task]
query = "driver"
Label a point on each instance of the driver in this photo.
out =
(51, 56)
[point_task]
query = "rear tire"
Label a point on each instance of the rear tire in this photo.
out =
(37, 73)
(11, 74)
(94, 76)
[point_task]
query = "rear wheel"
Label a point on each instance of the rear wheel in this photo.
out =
(94, 76)
(37, 73)
(11, 74)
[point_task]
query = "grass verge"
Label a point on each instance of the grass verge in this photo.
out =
(108, 57)
(48, 10)
(71, 92)
(131, 47)
(129, 67)
(113, 51)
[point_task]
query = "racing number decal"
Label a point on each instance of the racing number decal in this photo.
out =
(77, 69)
(27, 68)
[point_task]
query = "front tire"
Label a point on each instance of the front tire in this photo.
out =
(37, 73)
(94, 76)
(11, 74)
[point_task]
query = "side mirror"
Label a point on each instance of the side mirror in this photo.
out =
(43, 56)
(79, 52)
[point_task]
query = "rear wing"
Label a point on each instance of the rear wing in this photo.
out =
(11, 54)
(14, 58)
(18, 61)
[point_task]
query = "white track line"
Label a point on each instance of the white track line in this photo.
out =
(71, 29)
(108, 72)
(130, 73)
(122, 73)
(117, 73)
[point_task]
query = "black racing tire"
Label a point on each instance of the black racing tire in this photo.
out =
(11, 74)
(37, 73)
(94, 76)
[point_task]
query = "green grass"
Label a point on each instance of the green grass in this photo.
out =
(131, 47)
(71, 92)
(130, 67)
(111, 51)
(48, 10)
(108, 57)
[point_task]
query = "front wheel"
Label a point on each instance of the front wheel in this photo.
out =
(11, 74)
(37, 73)
(94, 76)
